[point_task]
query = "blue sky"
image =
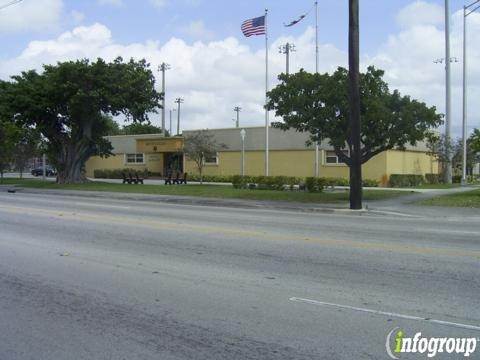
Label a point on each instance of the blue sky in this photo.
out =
(215, 68)
(134, 21)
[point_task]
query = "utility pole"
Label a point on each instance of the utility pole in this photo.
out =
(163, 68)
(237, 109)
(171, 110)
(467, 10)
(287, 49)
(178, 101)
(448, 93)
(354, 99)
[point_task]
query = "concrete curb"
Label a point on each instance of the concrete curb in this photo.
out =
(200, 201)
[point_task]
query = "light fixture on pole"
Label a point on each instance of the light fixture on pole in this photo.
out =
(287, 49)
(242, 136)
(171, 110)
(448, 114)
(178, 101)
(163, 68)
(237, 109)
(467, 10)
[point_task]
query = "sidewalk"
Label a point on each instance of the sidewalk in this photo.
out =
(401, 206)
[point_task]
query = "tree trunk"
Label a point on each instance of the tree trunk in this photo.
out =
(354, 92)
(72, 163)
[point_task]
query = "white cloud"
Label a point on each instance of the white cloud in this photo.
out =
(111, 2)
(408, 59)
(77, 17)
(38, 15)
(420, 13)
(215, 76)
(198, 30)
(158, 3)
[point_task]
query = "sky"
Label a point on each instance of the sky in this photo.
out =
(214, 68)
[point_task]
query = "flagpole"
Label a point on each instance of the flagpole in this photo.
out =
(266, 97)
(317, 149)
(316, 37)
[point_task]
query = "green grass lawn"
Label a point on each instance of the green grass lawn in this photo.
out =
(469, 199)
(213, 191)
(437, 186)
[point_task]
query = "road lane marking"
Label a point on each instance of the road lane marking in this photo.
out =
(185, 227)
(384, 313)
(102, 205)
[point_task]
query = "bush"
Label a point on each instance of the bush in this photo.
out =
(370, 183)
(211, 178)
(408, 180)
(432, 178)
(278, 183)
(239, 181)
(314, 184)
(456, 179)
(116, 173)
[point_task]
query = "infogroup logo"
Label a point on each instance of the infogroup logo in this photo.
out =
(429, 346)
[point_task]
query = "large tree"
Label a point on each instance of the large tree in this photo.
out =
(27, 146)
(319, 104)
(69, 103)
(9, 134)
(475, 141)
(141, 129)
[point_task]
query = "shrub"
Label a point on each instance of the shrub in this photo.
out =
(433, 178)
(314, 184)
(407, 180)
(370, 183)
(239, 181)
(115, 173)
(456, 179)
(336, 182)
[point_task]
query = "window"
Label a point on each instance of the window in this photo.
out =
(134, 158)
(211, 159)
(332, 158)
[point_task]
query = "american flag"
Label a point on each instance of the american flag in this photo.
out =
(254, 26)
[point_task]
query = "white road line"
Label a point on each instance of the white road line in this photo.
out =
(377, 312)
(102, 205)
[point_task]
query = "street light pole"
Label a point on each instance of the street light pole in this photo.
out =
(287, 49)
(171, 110)
(448, 100)
(237, 109)
(467, 10)
(242, 135)
(178, 101)
(163, 68)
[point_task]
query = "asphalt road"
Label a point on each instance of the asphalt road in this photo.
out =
(91, 278)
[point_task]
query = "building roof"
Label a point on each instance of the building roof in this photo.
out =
(254, 140)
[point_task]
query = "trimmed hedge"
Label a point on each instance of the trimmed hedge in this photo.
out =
(433, 178)
(370, 183)
(408, 180)
(116, 173)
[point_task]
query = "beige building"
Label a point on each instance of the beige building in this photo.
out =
(289, 155)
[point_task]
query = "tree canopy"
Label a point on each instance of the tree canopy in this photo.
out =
(319, 104)
(475, 141)
(198, 146)
(69, 104)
